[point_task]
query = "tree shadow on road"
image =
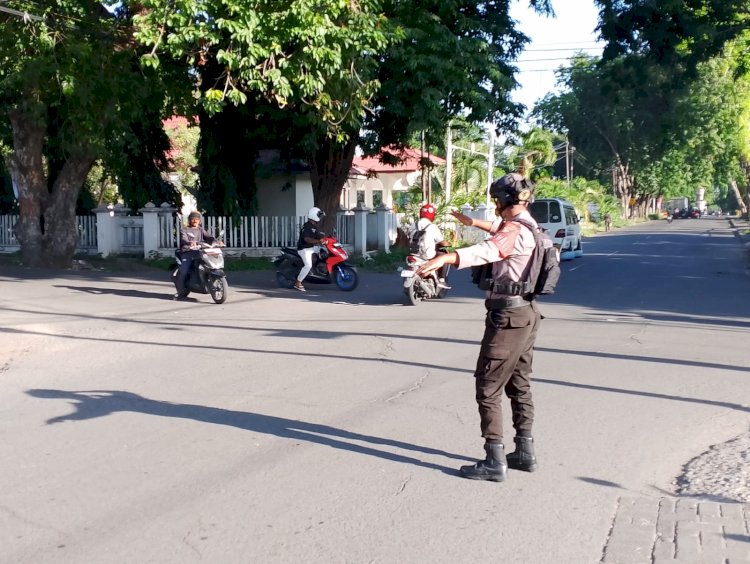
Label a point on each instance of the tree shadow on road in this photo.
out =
(101, 403)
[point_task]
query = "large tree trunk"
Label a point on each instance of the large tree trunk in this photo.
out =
(46, 228)
(738, 196)
(330, 166)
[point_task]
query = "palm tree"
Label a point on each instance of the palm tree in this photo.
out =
(535, 150)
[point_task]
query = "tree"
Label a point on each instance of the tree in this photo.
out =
(69, 82)
(675, 34)
(342, 68)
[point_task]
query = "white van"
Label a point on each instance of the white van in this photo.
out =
(561, 221)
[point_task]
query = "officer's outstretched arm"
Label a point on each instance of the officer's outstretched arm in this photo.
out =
(434, 264)
(471, 222)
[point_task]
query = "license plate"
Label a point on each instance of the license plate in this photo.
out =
(407, 273)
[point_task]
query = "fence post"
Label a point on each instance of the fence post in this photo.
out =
(107, 241)
(342, 233)
(360, 229)
(150, 215)
(166, 237)
(384, 214)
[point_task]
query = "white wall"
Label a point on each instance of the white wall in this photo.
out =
(272, 200)
(303, 195)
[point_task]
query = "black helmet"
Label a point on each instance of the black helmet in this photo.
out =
(511, 189)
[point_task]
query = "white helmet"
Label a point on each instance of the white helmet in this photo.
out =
(316, 214)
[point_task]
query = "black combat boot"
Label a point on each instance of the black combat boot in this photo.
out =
(492, 468)
(523, 457)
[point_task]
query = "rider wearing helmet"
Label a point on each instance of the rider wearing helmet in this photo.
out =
(511, 326)
(431, 237)
(427, 237)
(310, 238)
(190, 239)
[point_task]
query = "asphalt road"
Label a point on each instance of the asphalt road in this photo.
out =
(328, 427)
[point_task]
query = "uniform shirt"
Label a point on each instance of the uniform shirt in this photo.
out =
(430, 239)
(190, 235)
(310, 231)
(509, 249)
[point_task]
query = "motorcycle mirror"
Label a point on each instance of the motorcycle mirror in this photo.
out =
(221, 234)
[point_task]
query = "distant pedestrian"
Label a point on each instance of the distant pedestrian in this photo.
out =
(607, 221)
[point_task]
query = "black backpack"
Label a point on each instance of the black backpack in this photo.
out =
(416, 241)
(544, 271)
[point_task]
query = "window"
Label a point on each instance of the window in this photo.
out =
(555, 215)
(377, 198)
(539, 211)
(571, 218)
(360, 198)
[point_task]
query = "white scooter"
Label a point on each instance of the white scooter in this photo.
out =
(417, 288)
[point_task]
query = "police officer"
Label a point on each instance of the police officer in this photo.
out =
(511, 325)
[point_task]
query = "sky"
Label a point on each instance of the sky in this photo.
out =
(552, 38)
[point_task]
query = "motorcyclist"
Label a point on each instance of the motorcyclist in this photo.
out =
(191, 238)
(430, 238)
(310, 239)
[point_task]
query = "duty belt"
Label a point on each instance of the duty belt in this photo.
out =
(506, 303)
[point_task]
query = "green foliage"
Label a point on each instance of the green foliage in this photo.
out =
(535, 151)
(676, 34)
(451, 59)
(312, 52)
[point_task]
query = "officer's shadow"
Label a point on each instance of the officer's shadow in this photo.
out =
(100, 403)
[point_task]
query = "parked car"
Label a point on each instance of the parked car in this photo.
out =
(561, 221)
(694, 213)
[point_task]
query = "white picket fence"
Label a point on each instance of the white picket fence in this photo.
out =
(253, 232)
(86, 233)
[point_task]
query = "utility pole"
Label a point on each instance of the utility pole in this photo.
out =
(572, 153)
(490, 161)
(567, 161)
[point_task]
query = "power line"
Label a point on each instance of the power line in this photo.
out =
(521, 71)
(23, 15)
(539, 60)
(562, 49)
(567, 43)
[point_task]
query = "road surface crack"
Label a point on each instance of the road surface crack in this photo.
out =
(414, 387)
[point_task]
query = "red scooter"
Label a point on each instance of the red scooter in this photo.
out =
(329, 266)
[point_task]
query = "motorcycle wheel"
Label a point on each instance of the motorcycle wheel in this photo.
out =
(285, 275)
(412, 298)
(218, 288)
(346, 278)
(180, 293)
